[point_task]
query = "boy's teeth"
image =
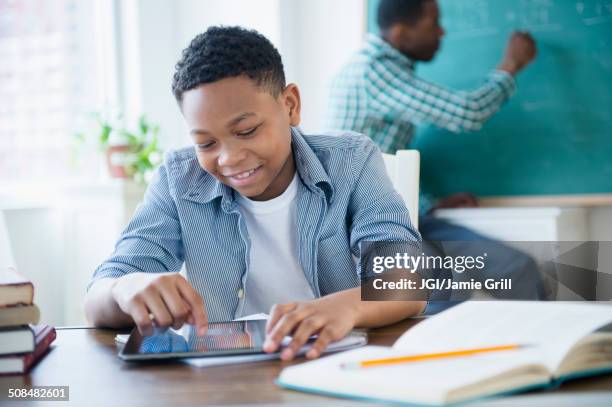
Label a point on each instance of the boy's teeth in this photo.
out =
(245, 174)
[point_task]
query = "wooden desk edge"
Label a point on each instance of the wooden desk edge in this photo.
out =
(585, 200)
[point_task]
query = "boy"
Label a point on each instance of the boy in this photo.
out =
(263, 216)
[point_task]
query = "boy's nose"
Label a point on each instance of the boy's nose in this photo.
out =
(230, 157)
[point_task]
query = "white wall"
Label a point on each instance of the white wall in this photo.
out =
(318, 36)
(147, 50)
(195, 16)
(35, 238)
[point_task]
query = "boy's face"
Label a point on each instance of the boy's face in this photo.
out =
(242, 134)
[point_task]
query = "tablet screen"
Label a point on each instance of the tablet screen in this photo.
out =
(222, 338)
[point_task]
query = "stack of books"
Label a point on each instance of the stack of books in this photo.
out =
(22, 342)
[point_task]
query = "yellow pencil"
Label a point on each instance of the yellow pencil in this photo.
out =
(427, 356)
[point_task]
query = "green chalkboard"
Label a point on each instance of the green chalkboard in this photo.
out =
(555, 135)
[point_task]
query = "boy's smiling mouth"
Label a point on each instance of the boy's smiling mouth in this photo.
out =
(245, 177)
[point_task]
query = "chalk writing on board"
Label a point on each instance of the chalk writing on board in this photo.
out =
(597, 8)
(470, 20)
(594, 13)
(536, 16)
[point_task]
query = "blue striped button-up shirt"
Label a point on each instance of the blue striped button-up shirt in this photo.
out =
(344, 198)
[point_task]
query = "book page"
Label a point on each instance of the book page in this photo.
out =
(428, 382)
(551, 327)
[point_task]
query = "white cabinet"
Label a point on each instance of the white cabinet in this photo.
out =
(522, 224)
(34, 235)
(60, 238)
(546, 224)
(93, 218)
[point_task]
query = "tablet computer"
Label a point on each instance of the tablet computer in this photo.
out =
(221, 339)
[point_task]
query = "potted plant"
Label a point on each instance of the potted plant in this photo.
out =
(130, 154)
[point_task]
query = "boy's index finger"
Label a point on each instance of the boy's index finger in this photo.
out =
(284, 327)
(274, 327)
(196, 305)
(278, 310)
(275, 315)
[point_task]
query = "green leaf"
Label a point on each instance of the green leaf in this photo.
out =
(105, 132)
(144, 153)
(144, 126)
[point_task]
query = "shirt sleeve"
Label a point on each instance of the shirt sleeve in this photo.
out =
(152, 240)
(378, 213)
(396, 92)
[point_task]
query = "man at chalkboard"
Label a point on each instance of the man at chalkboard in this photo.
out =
(378, 94)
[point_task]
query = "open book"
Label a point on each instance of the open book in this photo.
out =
(563, 343)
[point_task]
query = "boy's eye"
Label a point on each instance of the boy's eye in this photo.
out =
(248, 132)
(205, 146)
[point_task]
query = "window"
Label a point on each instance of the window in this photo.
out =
(55, 68)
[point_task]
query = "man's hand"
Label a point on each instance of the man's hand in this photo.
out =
(520, 51)
(460, 200)
(168, 299)
(331, 317)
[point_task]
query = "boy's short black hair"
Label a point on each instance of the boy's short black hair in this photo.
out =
(225, 52)
(398, 11)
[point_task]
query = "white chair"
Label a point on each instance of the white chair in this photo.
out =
(404, 170)
(6, 253)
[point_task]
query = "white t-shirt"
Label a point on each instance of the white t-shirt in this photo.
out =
(275, 275)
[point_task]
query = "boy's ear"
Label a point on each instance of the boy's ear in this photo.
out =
(292, 103)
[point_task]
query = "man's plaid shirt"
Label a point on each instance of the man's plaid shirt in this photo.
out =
(378, 94)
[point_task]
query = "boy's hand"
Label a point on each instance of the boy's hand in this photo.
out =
(168, 299)
(331, 317)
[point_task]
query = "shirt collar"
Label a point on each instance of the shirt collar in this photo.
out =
(206, 188)
(309, 166)
(377, 45)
